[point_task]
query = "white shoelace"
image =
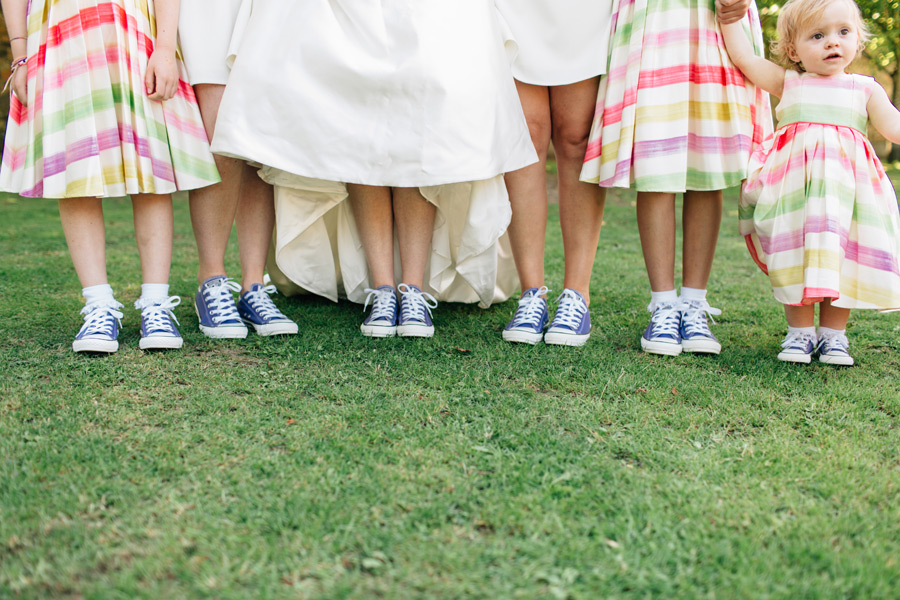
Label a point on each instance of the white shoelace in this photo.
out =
(665, 319)
(99, 318)
(829, 343)
(260, 302)
(570, 310)
(383, 302)
(156, 315)
(417, 303)
(531, 308)
(798, 340)
(693, 315)
(220, 301)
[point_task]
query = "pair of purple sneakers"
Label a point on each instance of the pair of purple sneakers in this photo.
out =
(680, 326)
(410, 317)
(220, 318)
(571, 324)
(100, 331)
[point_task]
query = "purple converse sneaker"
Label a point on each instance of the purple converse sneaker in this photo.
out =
(695, 333)
(663, 335)
(832, 350)
(571, 324)
(214, 303)
(528, 324)
(415, 312)
(257, 310)
(382, 319)
(798, 348)
(100, 331)
(158, 331)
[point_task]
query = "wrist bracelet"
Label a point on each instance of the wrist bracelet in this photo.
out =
(19, 62)
(19, 37)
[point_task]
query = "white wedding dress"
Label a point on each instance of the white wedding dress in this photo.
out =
(559, 41)
(403, 93)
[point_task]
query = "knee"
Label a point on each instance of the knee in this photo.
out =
(539, 128)
(570, 141)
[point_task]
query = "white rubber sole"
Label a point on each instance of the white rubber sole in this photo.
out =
(161, 343)
(267, 329)
(841, 361)
(378, 331)
(522, 337)
(100, 346)
(701, 346)
(233, 332)
(794, 357)
(565, 339)
(662, 348)
(422, 331)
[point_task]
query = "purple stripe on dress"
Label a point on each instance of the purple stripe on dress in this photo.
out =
(694, 143)
(872, 258)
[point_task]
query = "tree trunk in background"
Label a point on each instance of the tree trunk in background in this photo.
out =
(5, 60)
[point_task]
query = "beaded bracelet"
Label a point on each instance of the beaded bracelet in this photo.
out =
(19, 37)
(12, 71)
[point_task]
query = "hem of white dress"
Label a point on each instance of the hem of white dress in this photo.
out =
(427, 181)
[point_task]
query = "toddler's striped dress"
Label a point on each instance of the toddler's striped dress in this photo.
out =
(817, 210)
(88, 128)
(673, 113)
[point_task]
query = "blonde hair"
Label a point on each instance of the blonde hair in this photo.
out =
(796, 15)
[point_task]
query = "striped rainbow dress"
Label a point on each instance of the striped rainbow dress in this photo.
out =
(88, 128)
(817, 210)
(674, 114)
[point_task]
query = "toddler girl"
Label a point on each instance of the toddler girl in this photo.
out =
(100, 109)
(675, 116)
(818, 212)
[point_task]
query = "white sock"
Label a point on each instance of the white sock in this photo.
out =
(666, 297)
(798, 330)
(693, 294)
(100, 295)
(154, 293)
(828, 332)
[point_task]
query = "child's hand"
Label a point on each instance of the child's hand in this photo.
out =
(162, 75)
(731, 11)
(20, 85)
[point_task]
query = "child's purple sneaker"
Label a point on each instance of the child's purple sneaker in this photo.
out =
(257, 310)
(528, 324)
(798, 347)
(834, 350)
(214, 303)
(158, 331)
(100, 331)
(415, 312)
(663, 334)
(382, 319)
(571, 324)
(695, 333)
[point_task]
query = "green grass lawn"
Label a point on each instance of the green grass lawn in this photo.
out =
(329, 465)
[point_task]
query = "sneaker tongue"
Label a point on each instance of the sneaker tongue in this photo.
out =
(214, 282)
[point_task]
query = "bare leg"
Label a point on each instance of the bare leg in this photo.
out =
(527, 189)
(213, 208)
(701, 218)
(255, 220)
(373, 212)
(415, 226)
(800, 316)
(580, 204)
(833, 317)
(656, 224)
(82, 222)
(153, 229)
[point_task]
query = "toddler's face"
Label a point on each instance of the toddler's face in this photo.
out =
(828, 46)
